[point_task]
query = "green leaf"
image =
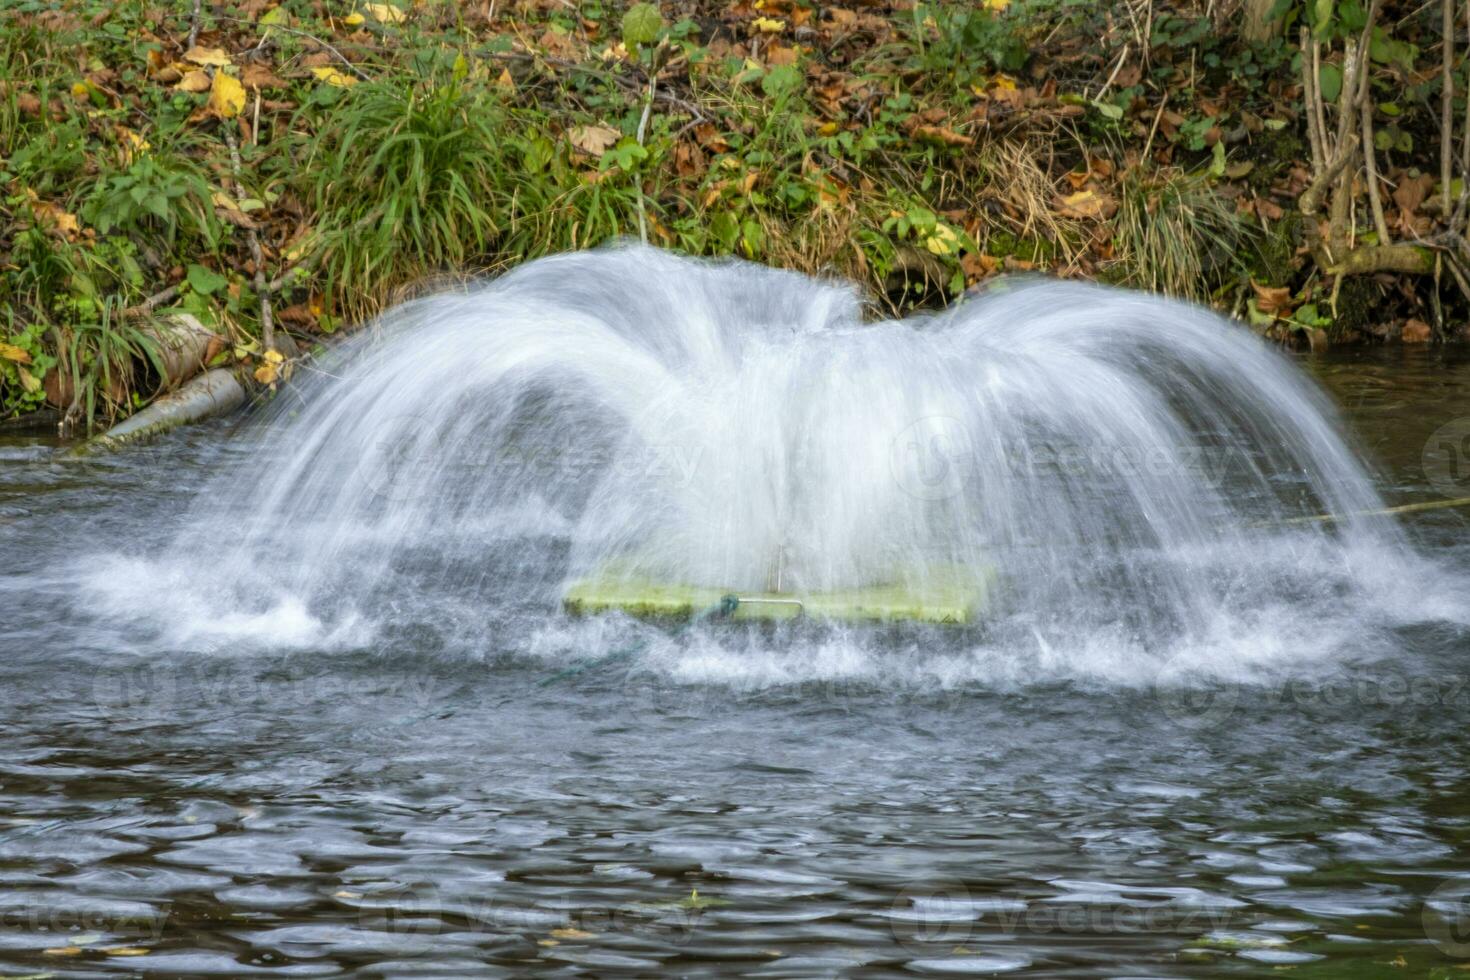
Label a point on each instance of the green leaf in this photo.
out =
(781, 80)
(1389, 108)
(205, 281)
(274, 17)
(641, 24)
(1217, 159)
(725, 229)
(1322, 17)
(1110, 110)
(753, 237)
(1329, 81)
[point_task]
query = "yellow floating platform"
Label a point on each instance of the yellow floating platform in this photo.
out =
(956, 598)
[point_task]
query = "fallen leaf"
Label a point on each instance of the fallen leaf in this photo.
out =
(126, 951)
(354, 19)
(266, 373)
(213, 57)
(594, 139)
(226, 96)
(1416, 332)
(53, 215)
(13, 353)
(259, 76)
(573, 934)
(1087, 204)
(1272, 299)
(768, 25)
(1411, 192)
(194, 81)
(28, 380)
(332, 76)
(939, 134)
(385, 13)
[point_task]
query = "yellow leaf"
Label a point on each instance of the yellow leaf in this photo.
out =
(354, 19)
(505, 81)
(28, 380)
(274, 356)
(13, 353)
(573, 934)
(132, 143)
(194, 81)
(266, 373)
(63, 951)
(125, 951)
(332, 76)
(1004, 82)
(769, 25)
(226, 96)
(81, 90)
(385, 13)
(944, 241)
(997, 4)
(214, 57)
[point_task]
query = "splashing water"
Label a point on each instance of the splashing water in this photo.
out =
(1124, 462)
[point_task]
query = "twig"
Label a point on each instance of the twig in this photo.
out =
(311, 37)
(267, 325)
(1370, 163)
(1447, 104)
(194, 25)
(1382, 512)
(1123, 58)
(153, 302)
(643, 131)
(1312, 104)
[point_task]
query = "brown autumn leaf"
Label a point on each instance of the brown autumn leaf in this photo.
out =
(260, 76)
(1411, 192)
(978, 265)
(1090, 204)
(709, 137)
(237, 218)
(1416, 332)
(1269, 209)
(212, 57)
(1272, 299)
(194, 81)
(594, 140)
(688, 160)
(941, 136)
(777, 55)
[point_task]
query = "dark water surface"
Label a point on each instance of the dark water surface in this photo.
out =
(176, 803)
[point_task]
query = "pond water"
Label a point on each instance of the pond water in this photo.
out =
(237, 792)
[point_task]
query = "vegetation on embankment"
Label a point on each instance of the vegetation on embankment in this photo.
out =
(284, 168)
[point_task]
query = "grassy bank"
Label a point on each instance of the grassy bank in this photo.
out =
(283, 170)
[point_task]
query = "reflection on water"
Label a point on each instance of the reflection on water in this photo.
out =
(400, 796)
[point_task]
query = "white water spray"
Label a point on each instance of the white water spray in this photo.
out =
(1120, 460)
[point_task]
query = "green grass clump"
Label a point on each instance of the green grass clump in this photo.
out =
(1175, 234)
(409, 180)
